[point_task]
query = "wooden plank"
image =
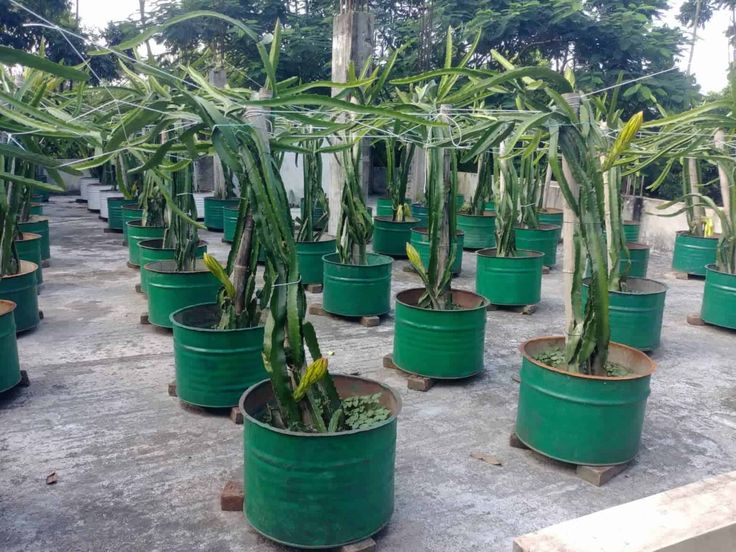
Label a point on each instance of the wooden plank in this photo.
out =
(698, 517)
(366, 545)
(695, 320)
(600, 475)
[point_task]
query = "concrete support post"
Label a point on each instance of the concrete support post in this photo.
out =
(570, 219)
(417, 183)
(208, 174)
(352, 43)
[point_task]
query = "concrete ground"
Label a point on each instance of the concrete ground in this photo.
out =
(138, 472)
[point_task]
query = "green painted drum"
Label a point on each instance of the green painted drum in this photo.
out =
(213, 216)
(631, 230)
(214, 367)
(10, 366)
(22, 290)
(309, 256)
(138, 233)
(719, 298)
(357, 290)
(636, 315)
(229, 223)
(41, 196)
(130, 213)
(420, 241)
(543, 239)
(318, 490)
(509, 280)
(115, 212)
(390, 238)
(39, 225)
(446, 344)
(151, 251)
(170, 291)
(585, 420)
(421, 213)
(36, 209)
(693, 253)
(317, 214)
(489, 206)
(638, 259)
(384, 207)
(480, 230)
(459, 201)
(29, 249)
(552, 216)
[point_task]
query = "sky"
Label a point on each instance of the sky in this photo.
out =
(709, 63)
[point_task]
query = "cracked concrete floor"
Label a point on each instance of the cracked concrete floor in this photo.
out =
(138, 472)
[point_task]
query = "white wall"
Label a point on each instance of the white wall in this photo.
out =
(293, 177)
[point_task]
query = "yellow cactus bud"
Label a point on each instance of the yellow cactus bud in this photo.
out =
(218, 272)
(708, 230)
(414, 258)
(314, 372)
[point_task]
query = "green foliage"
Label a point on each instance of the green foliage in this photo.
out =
(311, 227)
(365, 411)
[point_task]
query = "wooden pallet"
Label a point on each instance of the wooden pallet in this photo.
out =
(232, 499)
(313, 288)
(45, 263)
(111, 231)
(131, 265)
(595, 475)
(519, 309)
(235, 414)
(138, 288)
(145, 321)
(367, 321)
(546, 269)
(687, 276)
(413, 382)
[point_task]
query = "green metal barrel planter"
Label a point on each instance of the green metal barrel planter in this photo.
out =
(138, 233)
(420, 241)
(10, 366)
(459, 201)
(36, 209)
(639, 259)
(309, 256)
(42, 196)
(170, 290)
(509, 280)
(230, 217)
(543, 239)
(550, 215)
(317, 214)
(318, 490)
(115, 212)
(384, 207)
(39, 225)
(214, 367)
(631, 230)
(584, 420)
(693, 253)
(357, 290)
(390, 237)
(489, 206)
(213, 217)
(151, 251)
(421, 213)
(22, 290)
(29, 249)
(130, 213)
(437, 344)
(636, 315)
(719, 298)
(480, 230)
